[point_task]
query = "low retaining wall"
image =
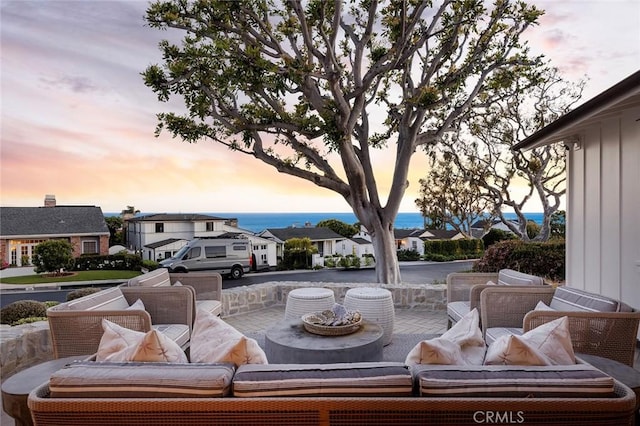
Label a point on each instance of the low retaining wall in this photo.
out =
(28, 344)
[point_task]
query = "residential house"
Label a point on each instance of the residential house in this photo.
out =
(413, 239)
(23, 228)
(354, 246)
(159, 236)
(324, 239)
(602, 137)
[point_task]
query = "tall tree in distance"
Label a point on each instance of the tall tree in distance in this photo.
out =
(452, 198)
(313, 87)
(482, 149)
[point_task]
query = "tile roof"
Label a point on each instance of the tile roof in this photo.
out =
(52, 221)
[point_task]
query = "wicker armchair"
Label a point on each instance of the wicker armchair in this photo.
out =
(611, 335)
(207, 286)
(77, 331)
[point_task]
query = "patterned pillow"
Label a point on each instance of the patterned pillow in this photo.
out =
(548, 344)
(213, 340)
(122, 344)
(462, 344)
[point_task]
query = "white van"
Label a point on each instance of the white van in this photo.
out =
(227, 256)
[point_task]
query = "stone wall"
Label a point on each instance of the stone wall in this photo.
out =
(28, 344)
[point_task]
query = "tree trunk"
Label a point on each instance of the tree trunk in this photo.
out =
(384, 247)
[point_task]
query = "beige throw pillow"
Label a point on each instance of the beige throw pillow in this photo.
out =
(462, 344)
(213, 340)
(548, 344)
(120, 344)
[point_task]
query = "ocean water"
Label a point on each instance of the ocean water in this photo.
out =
(257, 222)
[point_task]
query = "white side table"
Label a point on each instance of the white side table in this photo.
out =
(376, 305)
(305, 300)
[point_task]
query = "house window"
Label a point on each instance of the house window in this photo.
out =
(210, 227)
(159, 227)
(89, 247)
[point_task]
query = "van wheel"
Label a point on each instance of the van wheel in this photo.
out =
(236, 272)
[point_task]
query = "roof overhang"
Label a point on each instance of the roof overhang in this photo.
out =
(624, 95)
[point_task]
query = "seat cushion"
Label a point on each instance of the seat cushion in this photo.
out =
(511, 277)
(492, 334)
(157, 278)
(88, 379)
(457, 310)
(212, 306)
(341, 379)
(575, 381)
(573, 299)
(179, 333)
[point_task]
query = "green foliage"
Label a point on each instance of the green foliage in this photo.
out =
(494, 235)
(150, 265)
(50, 303)
(558, 224)
(20, 309)
(29, 320)
(533, 229)
(338, 227)
(116, 234)
(81, 292)
(448, 250)
(297, 253)
(53, 256)
(543, 259)
(408, 255)
(121, 261)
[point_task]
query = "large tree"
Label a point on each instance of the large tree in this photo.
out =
(311, 88)
(481, 148)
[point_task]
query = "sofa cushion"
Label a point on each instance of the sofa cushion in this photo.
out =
(457, 310)
(548, 344)
(156, 278)
(511, 277)
(578, 380)
(341, 379)
(88, 379)
(212, 306)
(110, 299)
(573, 299)
(179, 333)
(213, 340)
(121, 344)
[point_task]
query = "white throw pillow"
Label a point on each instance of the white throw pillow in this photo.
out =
(120, 344)
(137, 305)
(213, 340)
(541, 306)
(548, 344)
(462, 344)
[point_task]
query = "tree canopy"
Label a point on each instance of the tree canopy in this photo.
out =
(313, 87)
(339, 227)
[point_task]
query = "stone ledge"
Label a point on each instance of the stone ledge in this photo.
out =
(28, 344)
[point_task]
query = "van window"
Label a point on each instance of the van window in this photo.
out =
(239, 247)
(194, 253)
(215, 251)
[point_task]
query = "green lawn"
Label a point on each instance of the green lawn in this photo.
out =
(79, 276)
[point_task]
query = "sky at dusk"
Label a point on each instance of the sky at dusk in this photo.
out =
(78, 122)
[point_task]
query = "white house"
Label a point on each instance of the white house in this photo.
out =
(602, 137)
(413, 239)
(324, 239)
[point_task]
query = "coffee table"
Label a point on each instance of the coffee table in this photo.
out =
(289, 343)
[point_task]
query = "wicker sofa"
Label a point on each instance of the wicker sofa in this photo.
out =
(598, 325)
(361, 393)
(464, 288)
(76, 326)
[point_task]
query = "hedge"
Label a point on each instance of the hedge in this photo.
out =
(441, 250)
(120, 262)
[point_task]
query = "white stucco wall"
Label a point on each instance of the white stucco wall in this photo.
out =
(603, 208)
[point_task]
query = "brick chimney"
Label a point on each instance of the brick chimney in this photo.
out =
(49, 200)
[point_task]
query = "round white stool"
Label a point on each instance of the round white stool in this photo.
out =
(303, 301)
(376, 305)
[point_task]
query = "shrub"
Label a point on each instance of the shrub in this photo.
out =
(122, 262)
(494, 235)
(20, 309)
(447, 250)
(408, 255)
(542, 259)
(150, 265)
(81, 292)
(53, 256)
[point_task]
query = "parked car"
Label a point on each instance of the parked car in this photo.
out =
(227, 256)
